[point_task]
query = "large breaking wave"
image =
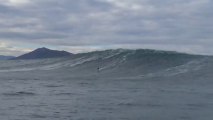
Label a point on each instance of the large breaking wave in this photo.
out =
(120, 62)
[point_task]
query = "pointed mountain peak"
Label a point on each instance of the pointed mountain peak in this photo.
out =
(41, 49)
(41, 53)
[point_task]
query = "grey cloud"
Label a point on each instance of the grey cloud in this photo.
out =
(96, 24)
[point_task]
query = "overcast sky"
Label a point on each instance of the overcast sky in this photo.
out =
(87, 25)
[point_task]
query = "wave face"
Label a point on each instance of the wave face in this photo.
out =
(118, 63)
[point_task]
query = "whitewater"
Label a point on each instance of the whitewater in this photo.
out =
(108, 85)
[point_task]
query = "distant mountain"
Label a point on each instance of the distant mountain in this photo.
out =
(42, 53)
(2, 57)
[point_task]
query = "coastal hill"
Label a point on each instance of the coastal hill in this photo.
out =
(42, 53)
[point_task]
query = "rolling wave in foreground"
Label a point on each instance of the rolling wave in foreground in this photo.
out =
(108, 85)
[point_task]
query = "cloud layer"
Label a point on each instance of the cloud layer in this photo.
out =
(86, 25)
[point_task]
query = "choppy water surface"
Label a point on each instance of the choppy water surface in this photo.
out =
(103, 99)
